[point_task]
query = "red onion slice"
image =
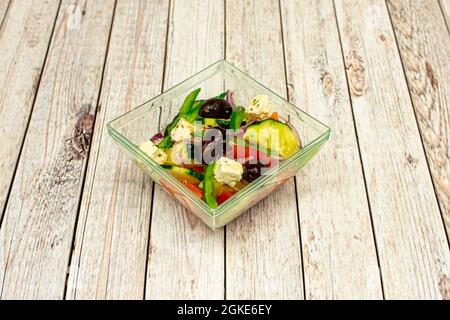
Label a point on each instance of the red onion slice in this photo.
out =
(230, 99)
(157, 138)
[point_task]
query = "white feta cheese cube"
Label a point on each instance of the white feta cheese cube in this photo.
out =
(261, 106)
(182, 131)
(150, 149)
(228, 171)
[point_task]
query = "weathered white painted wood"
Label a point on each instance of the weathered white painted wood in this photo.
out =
(36, 234)
(3, 8)
(445, 7)
(263, 258)
(110, 251)
(424, 49)
(186, 258)
(24, 39)
(411, 241)
(339, 254)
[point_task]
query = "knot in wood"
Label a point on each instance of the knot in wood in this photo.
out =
(328, 83)
(82, 135)
(354, 65)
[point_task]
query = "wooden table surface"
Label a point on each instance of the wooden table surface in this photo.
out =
(369, 217)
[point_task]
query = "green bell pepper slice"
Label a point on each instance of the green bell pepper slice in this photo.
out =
(237, 117)
(192, 114)
(221, 96)
(209, 186)
(189, 111)
(189, 101)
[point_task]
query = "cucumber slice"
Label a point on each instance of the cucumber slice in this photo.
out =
(224, 123)
(274, 135)
(184, 154)
(184, 174)
(211, 122)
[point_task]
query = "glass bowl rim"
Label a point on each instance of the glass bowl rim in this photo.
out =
(222, 208)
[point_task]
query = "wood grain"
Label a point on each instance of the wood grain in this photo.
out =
(445, 7)
(110, 251)
(339, 254)
(424, 49)
(36, 234)
(3, 8)
(24, 39)
(365, 90)
(411, 241)
(194, 252)
(263, 256)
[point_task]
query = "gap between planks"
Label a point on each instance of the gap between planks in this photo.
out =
(88, 154)
(331, 222)
(359, 152)
(15, 145)
(263, 248)
(445, 9)
(4, 7)
(295, 177)
(115, 226)
(46, 260)
(194, 251)
(225, 260)
(428, 99)
(408, 222)
(159, 126)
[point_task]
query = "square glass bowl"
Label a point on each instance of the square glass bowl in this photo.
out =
(141, 123)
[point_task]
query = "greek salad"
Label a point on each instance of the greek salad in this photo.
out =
(216, 147)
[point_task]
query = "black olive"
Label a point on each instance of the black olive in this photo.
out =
(216, 108)
(252, 172)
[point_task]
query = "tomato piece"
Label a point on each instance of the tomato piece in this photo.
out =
(248, 154)
(199, 169)
(274, 116)
(224, 196)
(198, 192)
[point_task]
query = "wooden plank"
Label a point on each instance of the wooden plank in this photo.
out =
(24, 39)
(3, 8)
(185, 257)
(339, 254)
(411, 240)
(424, 48)
(263, 256)
(37, 231)
(110, 251)
(445, 7)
